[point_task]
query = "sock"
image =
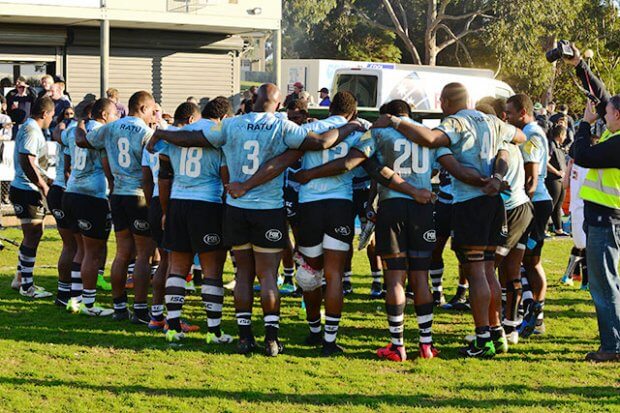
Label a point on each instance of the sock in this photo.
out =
(197, 273)
(584, 271)
(503, 297)
(436, 273)
(461, 290)
(64, 291)
(213, 300)
(101, 271)
(154, 267)
(573, 261)
(272, 325)
(376, 276)
(424, 313)
(396, 322)
(175, 298)
(288, 275)
(315, 326)
(332, 322)
(157, 312)
(347, 276)
(483, 335)
(497, 332)
(120, 304)
(515, 289)
(27, 257)
(233, 262)
(76, 281)
(89, 297)
(131, 267)
(244, 323)
(528, 298)
(541, 316)
(141, 309)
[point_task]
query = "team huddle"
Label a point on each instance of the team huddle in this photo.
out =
(213, 184)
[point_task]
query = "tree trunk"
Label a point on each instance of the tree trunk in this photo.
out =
(430, 36)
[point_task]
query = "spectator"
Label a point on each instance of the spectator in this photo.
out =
(542, 118)
(193, 100)
(46, 86)
(306, 97)
(5, 83)
(324, 95)
(557, 169)
(6, 124)
(570, 123)
(61, 102)
(298, 87)
(19, 101)
(550, 108)
(247, 104)
(297, 112)
(121, 109)
(63, 85)
(66, 116)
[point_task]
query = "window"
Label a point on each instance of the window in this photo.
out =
(363, 87)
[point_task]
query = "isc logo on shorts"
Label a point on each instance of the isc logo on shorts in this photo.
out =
(430, 236)
(141, 225)
(273, 235)
(504, 231)
(58, 214)
(211, 239)
(343, 230)
(84, 225)
(18, 209)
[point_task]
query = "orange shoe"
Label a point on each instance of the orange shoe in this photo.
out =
(129, 284)
(157, 325)
(392, 353)
(185, 327)
(428, 351)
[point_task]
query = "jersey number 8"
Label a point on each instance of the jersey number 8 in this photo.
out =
(190, 162)
(124, 159)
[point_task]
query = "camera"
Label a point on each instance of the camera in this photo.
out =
(563, 49)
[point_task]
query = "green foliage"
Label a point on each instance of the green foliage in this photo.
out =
(56, 362)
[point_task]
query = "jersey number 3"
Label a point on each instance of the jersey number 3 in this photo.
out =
(253, 149)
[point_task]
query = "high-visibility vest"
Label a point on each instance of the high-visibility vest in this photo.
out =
(602, 186)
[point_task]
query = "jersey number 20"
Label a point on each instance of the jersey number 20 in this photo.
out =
(419, 156)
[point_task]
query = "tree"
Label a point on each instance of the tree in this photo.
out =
(441, 28)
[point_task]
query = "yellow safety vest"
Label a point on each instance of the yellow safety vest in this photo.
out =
(602, 186)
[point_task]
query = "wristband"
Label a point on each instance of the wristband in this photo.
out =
(395, 121)
(498, 176)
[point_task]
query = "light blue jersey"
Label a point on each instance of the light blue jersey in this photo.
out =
(248, 141)
(151, 161)
(60, 179)
(29, 141)
(331, 187)
(474, 140)
(123, 141)
(196, 170)
(87, 175)
(536, 150)
(515, 177)
(414, 163)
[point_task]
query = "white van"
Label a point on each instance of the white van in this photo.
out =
(421, 86)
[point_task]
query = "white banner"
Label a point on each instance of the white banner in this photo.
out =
(67, 3)
(7, 170)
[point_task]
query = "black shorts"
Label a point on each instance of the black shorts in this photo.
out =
(130, 212)
(443, 219)
(291, 203)
(90, 215)
(360, 203)
(193, 226)
(264, 228)
(478, 222)
(331, 217)
(538, 227)
(54, 202)
(28, 204)
(518, 222)
(404, 226)
(155, 213)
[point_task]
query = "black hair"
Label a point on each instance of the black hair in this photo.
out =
(217, 108)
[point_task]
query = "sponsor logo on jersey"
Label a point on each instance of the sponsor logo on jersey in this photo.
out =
(430, 236)
(141, 225)
(58, 214)
(273, 235)
(18, 209)
(211, 239)
(84, 225)
(343, 230)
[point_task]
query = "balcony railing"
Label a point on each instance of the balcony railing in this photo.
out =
(190, 6)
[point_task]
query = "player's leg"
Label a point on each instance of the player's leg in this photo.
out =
(266, 263)
(334, 263)
(180, 264)
(118, 274)
(395, 274)
(244, 296)
(158, 284)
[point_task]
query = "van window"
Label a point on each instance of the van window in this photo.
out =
(501, 92)
(363, 87)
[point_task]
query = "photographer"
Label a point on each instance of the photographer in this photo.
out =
(601, 195)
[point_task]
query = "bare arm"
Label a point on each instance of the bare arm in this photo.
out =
(431, 138)
(164, 181)
(467, 175)
(67, 170)
(28, 164)
(388, 178)
(57, 133)
(519, 137)
(566, 178)
(318, 142)
(336, 167)
(268, 171)
(148, 184)
(80, 136)
(108, 172)
(531, 178)
(183, 138)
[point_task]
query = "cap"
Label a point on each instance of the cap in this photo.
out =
(324, 90)
(299, 85)
(538, 106)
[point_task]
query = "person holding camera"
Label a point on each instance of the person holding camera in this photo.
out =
(601, 194)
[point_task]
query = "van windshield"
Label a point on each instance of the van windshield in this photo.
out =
(363, 87)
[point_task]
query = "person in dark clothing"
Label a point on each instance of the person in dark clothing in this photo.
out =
(557, 169)
(19, 102)
(563, 117)
(298, 87)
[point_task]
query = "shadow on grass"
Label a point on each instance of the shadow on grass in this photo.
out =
(603, 397)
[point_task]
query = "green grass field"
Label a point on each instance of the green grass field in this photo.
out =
(52, 361)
